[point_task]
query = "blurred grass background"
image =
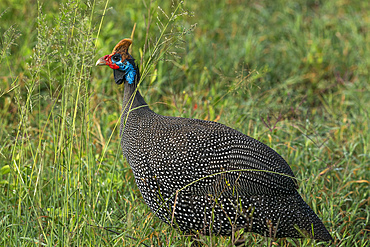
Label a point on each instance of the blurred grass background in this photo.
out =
(292, 74)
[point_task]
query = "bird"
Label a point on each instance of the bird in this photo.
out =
(204, 177)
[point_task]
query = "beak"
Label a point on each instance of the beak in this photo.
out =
(101, 61)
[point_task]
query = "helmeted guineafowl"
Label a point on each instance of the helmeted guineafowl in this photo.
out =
(204, 176)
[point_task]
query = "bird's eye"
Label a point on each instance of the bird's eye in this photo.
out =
(116, 57)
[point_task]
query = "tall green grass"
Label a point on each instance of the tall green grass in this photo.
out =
(293, 75)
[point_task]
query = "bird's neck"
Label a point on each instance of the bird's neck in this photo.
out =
(132, 99)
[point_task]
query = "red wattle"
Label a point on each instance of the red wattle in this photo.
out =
(113, 66)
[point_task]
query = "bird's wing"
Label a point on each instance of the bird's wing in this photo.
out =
(227, 160)
(208, 157)
(246, 164)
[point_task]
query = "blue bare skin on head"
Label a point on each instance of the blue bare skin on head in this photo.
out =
(128, 68)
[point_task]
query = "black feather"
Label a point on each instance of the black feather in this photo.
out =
(119, 76)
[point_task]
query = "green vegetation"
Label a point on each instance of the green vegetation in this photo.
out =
(294, 75)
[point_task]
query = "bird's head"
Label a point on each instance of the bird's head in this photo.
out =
(121, 62)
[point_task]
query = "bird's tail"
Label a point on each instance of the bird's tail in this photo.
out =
(285, 216)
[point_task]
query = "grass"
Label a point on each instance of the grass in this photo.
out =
(292, 75)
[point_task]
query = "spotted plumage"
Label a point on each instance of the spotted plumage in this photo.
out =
(204, 176)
